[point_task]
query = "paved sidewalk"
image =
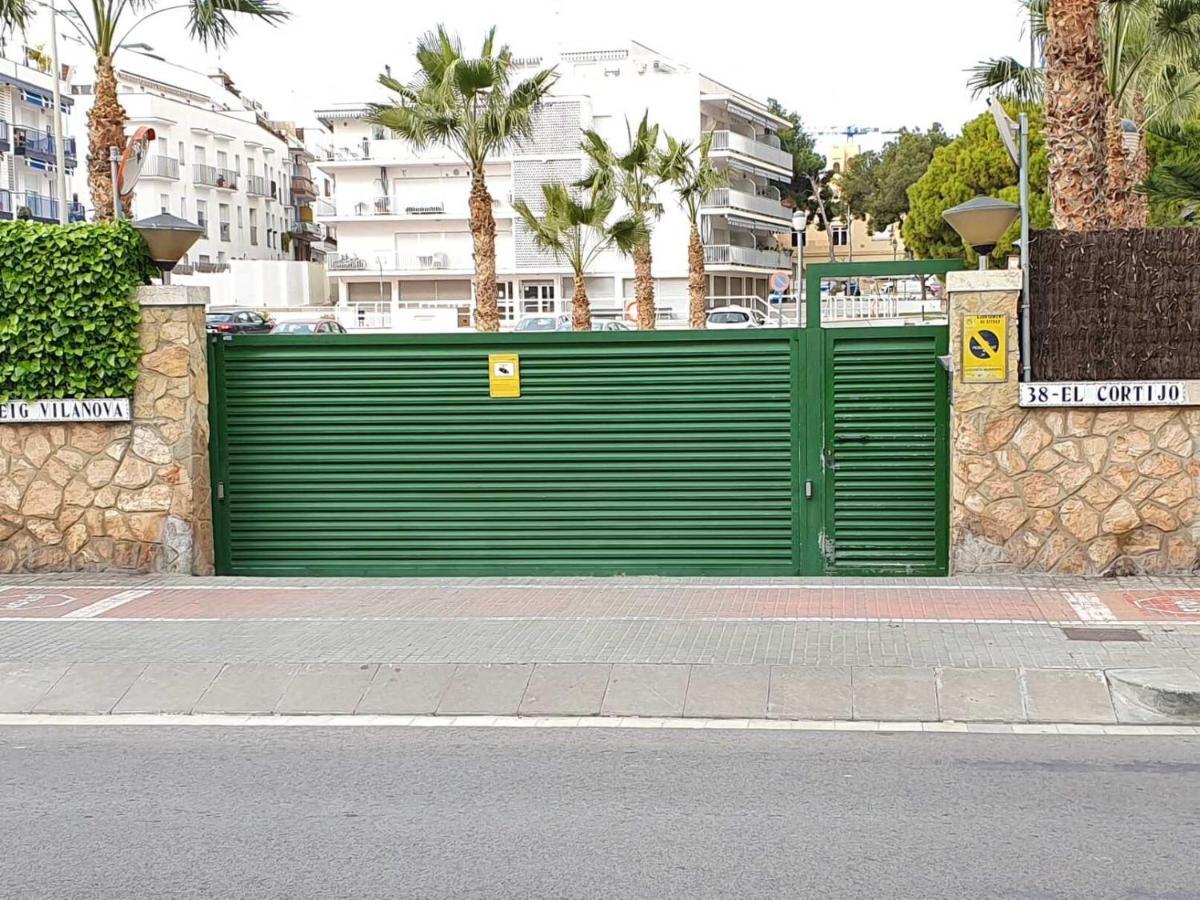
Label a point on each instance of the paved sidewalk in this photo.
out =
(978, 650)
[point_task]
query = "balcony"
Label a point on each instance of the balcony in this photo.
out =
(225, 231)
(303, 189)
(434, 261)
(760, 204)
(256, 186)
(204, 175)
(161, 167)
(227, 179)
(41, 208)
(305, 231)
(732, 142)
(39, 145)
(386, 205)
(5, 138)
(728, 255)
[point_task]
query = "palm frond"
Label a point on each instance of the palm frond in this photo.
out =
(1007, 78)
(212, 22)
(15, 15)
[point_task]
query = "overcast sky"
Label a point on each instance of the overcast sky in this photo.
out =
(882, 63)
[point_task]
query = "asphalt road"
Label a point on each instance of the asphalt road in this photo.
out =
(524, 813)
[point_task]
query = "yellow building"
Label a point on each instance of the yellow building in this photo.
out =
(856, 242)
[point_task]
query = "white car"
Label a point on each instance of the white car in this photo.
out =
(733, 317)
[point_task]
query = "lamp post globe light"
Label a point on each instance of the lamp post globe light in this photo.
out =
(981, 223)
(168, 238)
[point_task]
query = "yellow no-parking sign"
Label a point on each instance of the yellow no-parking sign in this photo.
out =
(984, 349)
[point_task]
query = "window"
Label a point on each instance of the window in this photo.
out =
(378, 133)
(250, 165)
(839, 235)
(504, 300)
(198, 155)
(237, 163)
(222, 159)
(202, 215)
(537, 297)
(161, 147)
(182, 157)
(183, 207)
(239, 221)
(164, 203)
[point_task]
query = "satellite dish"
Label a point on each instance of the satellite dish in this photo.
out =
(137, 148)
(1008, 130)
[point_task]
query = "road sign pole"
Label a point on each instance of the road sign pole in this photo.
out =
(1026, 346)
(59, 137)
(114, 160)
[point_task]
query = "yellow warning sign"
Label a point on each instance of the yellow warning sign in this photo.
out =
(504, 374)
(984, 349)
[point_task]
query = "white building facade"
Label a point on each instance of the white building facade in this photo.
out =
(401, 215)
(214, 161)
(28, 178)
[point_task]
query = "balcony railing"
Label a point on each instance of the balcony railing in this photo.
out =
(256, 186)
(225, 231)
(227, 179)
(733, 142)
(209, 268)
(390, 262)
(40, 145)
(728, 198)
(728, 255)
(303, 188)
(305, 231)
(202, 174)
(394, 206)
(161, 167)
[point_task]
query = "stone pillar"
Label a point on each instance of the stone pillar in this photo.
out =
(1063, 490)
(128, 496)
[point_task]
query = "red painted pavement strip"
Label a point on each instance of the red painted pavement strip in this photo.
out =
(1156, 606)
(690, 602)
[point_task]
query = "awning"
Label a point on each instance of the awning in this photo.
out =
(751, 169)
(33, 94)
(755, 225)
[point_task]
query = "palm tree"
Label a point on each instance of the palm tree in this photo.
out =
(575, 228)
(105, 26)
(470, 107)
(1152, 76)
(635, 177)
(1076, 109)
(690, 169)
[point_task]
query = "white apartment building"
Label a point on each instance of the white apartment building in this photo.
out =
(27, 151)
(401, 215)
(215, 161)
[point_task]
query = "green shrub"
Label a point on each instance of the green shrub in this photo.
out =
(68, 316)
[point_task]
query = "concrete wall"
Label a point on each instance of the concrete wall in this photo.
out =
(130, 496)
(261, 283)
(1072, 491)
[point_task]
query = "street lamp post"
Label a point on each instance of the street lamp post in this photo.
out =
(59, 151)
(799, 227)
(981, 223)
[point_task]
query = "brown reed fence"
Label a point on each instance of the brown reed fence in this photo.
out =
(1115, 304)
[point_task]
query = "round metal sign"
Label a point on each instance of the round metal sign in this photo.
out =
(780, 282)
(137, 148)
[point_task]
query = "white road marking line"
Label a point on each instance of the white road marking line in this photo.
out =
(557, 586)
(102, 606)
(1089, 608)
(24, 720)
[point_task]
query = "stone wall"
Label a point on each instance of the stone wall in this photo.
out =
(131, 496)
(1072, 491)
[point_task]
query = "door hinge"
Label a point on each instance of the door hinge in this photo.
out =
(829, 459)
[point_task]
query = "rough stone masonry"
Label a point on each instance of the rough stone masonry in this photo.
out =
(1072, 491)
(129, 496)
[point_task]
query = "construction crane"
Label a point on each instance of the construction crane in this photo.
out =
(850, 132)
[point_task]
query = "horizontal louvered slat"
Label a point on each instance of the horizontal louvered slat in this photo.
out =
(650, 453)
(886, 427)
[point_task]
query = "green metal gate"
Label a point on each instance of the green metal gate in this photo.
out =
(385, 455)
(769, 452)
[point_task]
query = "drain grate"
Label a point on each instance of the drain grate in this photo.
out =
(1103, 634)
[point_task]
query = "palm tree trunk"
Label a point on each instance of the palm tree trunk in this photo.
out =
(697, 295)
(1076, 99)
(1117, 186)
(581, 306)
(643, 286)
(106, 128)
(483, 236)
(1137, 165)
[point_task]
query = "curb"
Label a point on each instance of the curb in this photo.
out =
(1163, 695)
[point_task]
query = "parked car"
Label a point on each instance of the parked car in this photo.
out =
(733, 317)
(545, 323)
(309, 326)
(611, 325)
(236, 321)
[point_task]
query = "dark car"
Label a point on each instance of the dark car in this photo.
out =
(308, 326)
(236, 321)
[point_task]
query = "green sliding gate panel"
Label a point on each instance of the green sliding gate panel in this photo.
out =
(643, 453)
